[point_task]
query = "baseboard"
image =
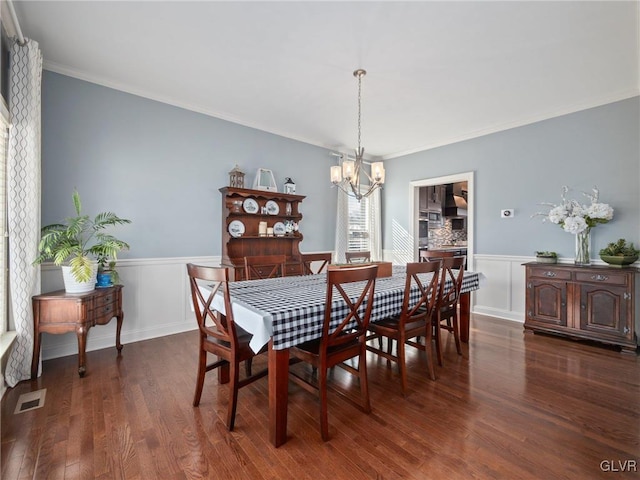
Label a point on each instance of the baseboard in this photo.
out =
(108, 340)
(495, 312)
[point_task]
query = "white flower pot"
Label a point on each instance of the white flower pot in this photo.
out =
(71, 285)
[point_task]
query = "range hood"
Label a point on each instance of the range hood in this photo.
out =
(455, 205)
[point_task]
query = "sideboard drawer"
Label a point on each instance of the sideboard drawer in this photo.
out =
(604, 277)
(105, 299)
(104, 313)
(550, 273)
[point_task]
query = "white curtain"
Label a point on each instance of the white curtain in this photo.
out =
(23, 190)
(342, 228)
(375, 233)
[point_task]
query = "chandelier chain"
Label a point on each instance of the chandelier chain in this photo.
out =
(359, 109)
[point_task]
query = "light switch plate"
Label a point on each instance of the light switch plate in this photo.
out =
(507, 213)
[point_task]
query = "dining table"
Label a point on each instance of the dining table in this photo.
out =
(286, 311)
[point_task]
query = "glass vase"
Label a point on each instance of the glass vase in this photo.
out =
(583, 247)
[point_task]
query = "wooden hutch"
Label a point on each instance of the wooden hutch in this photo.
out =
(274, 208)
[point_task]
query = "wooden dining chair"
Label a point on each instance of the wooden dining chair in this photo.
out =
(219, 335)
(308, 260)
(359, 257)
(434, 255)
(414, 321)
(446, 315)
(342, 339)
(264, 266)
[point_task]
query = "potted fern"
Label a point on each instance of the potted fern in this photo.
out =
(77, 243)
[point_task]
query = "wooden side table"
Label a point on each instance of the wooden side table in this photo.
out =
(61, 312)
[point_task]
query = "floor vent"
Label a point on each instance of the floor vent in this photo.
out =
(30, 401)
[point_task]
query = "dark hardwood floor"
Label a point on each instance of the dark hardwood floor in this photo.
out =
(515, 406)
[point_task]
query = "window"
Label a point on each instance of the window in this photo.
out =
(359, 225)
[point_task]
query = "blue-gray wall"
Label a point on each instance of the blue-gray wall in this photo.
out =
(161, 166)
(523, 167)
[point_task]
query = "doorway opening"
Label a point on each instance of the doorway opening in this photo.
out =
(415, 210)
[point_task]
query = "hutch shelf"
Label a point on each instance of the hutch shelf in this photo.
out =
(250, 208)
(584, 302)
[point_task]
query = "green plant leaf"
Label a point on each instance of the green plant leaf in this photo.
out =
(79, 240)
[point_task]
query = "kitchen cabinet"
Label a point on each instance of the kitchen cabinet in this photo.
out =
(431, 197)
(592, 303)
(245, 209)
(423, 199)
(435, 197)
(439, 194)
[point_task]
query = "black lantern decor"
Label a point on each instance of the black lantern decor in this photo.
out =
(289, 186)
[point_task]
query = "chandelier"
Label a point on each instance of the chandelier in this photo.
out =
(347, 176)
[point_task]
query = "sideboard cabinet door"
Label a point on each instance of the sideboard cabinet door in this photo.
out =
(547, 302)
(604, 310)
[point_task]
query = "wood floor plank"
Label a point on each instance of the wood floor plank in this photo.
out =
(514, 405)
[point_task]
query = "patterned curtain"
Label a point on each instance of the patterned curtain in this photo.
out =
(23, 190)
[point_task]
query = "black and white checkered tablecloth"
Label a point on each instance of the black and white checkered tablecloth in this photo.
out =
(295, 305)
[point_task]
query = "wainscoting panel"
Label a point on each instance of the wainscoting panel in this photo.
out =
(501, 292)
(156, 302)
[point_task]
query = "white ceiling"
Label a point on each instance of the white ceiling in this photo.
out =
(438, 72)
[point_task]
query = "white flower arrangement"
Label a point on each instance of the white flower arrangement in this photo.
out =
(576, 218)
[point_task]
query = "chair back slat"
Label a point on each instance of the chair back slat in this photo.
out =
(434, 255)
(359, 257)
(264, 266)
(354, 324)
(308, 259)
(453, 271)
(213, 280)
(416, 277)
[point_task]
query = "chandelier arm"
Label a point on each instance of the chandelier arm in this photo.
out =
(370, 190)
(356, 191)
(350, 192)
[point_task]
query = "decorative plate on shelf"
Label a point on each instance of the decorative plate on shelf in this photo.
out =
(272, 207)
(279, 229)
(236, 228)
(250, 205)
